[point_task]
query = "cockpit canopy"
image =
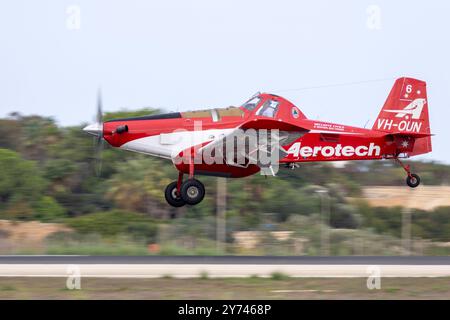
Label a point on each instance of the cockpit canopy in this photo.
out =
(252, 103)
(272, 106)
(260, 105)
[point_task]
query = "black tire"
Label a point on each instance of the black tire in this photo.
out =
(171, 196)
(413, 180)
(192, 191)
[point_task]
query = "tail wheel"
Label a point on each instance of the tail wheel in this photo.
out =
(172, 196)
(413, 180)
(192, 191)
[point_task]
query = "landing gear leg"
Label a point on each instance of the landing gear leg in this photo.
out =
(179, 182)
(191, 167)
(412, 179)
(192, 191)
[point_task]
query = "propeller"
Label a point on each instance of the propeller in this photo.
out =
(96, 129)
(99, 139)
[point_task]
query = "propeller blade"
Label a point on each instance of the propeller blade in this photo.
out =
(98, 156)
(99, 117)
(96, 129)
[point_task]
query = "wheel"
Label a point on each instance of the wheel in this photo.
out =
(171, 195)
(192, 191)
(413, 180)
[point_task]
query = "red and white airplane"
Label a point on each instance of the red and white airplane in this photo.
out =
(401, 130)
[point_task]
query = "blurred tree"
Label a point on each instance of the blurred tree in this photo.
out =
(47, 209)
(433, 225)
(10, 134)
(18, 208)
(20, 178)
(37, 134)
(138, 185)
(115, 222)
(344, 216)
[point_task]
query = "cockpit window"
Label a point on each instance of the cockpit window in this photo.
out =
(268, 109)
(252, 103)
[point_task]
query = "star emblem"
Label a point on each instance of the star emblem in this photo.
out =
(405, 144)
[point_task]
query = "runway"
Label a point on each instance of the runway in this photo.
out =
(269, 260)
(222, 266)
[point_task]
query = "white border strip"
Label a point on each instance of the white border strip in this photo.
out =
(220, 270)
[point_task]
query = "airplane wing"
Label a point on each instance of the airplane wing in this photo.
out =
(253, 139)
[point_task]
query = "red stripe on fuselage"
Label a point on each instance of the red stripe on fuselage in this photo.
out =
(144, 128)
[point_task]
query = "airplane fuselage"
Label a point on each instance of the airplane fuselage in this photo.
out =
(237, 141)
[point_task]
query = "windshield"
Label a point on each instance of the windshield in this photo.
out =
(252, 103)
(268, 109)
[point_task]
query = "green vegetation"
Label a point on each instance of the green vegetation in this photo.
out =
(225, 288)
(7, 288)
(114, 222)
(433, 224)
(48, 174)
(279, 276)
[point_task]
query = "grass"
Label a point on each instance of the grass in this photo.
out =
(172, 249)
(7, 288)
(206, 287)
(279, 276)
(102, 249)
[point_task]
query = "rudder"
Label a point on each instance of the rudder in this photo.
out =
(405, 112)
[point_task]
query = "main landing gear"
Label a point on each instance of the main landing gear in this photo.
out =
(179, 193)
(412, 179)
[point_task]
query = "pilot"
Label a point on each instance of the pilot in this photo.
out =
(269, 109)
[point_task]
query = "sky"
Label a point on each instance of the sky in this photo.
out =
(335, 60)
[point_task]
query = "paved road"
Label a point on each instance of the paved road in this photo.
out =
(228, 260)
(222, 266)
